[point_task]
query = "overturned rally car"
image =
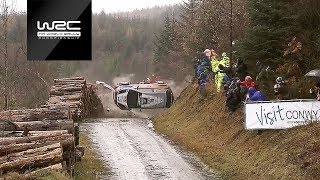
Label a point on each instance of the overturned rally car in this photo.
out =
(143, 96)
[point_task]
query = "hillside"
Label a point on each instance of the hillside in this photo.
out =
(200, 124)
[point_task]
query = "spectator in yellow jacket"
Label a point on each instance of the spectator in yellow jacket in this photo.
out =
(214, 62)
(219, 75)
(225, 60)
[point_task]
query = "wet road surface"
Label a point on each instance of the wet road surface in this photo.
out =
(132, 150)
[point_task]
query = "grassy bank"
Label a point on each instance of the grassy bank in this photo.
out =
(200, 124)
(90, 167)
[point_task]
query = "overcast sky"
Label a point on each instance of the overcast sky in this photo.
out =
(113, 5)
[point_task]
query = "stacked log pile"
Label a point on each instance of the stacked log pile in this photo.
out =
(46, 137)
(30, 141)
(75, 93)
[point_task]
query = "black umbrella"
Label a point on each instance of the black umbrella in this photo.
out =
(313, 73)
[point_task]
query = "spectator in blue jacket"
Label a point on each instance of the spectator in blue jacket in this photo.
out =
(254, 95)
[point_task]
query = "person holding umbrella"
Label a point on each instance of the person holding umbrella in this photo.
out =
(316, 75)
(316, 91)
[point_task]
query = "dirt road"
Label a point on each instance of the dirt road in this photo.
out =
(132, 150)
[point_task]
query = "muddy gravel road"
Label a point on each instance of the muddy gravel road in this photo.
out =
(131, 149)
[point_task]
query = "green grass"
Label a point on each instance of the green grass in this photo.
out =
(90, 167)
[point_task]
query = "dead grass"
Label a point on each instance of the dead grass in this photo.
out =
(41, 175)
(91, 167)
(200, 124)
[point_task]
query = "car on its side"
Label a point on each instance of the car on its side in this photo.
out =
(143, 95)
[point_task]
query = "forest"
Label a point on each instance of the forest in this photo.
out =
(280, 34)
(283, 35)
(122, 46)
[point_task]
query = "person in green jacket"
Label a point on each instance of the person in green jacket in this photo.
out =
(225, 60)
(218, 80)
(214, 63)
(219, 74)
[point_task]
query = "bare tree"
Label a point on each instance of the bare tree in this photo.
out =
(7, 10)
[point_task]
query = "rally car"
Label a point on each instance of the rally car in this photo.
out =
(143, 95)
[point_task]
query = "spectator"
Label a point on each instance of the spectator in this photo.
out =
(195, 63)
(225, 60)
(226, 83)
(199, 69)
(205, 60)
(280, 81)
(254, 95)
(219, 77)
(241, 69)
(203, 79)
(318, 91)
(247, 82)
(214, 62)
(277, 94)
(233, 96)
(280, 89)
(225, 79)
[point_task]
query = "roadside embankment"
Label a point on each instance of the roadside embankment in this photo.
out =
(90, 166)
(202, 125)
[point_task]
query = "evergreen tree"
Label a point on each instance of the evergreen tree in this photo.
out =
(165, 41)
(308, 26)
(207, 25)
(188, 26)
(270, 27)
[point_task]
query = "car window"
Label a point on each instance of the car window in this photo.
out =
(144, 101)
(123, 91)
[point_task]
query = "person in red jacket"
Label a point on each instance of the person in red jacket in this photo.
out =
(247, 82)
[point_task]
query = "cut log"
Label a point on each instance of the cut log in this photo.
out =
(47, 125)
(41, 129)
(75, 96)
(61, 112)
(47, 133)
(37, 125)
(28, 133)
(73, 78)
(12, 148)
(32, 162)
(56, 167)
(29, 152)
(67, 142)
(17, 140)
(56, 93)
(62, 81)
(68, 88)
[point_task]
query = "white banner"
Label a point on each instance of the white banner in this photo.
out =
(281, 115)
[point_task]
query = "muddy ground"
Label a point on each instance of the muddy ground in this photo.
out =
(133, 150)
